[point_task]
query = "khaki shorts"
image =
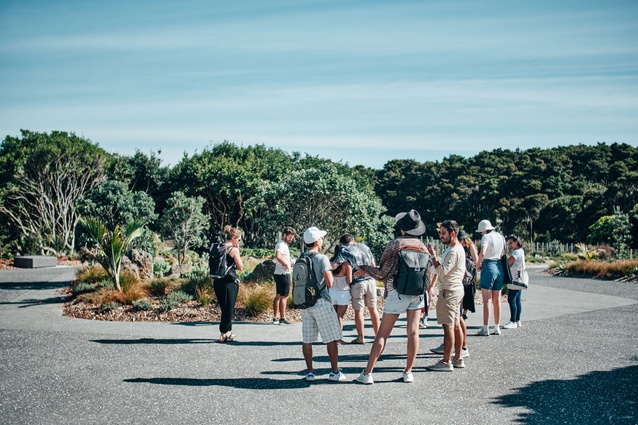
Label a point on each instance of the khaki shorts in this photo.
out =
(448, 306)
(364, 294)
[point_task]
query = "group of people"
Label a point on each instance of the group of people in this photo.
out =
(350, 277)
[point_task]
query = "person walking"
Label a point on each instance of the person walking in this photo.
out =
(281, 276)
(320, 319)
(411, 227)
(517, 264)
(489, 265)
(226, 288)
(450, 269)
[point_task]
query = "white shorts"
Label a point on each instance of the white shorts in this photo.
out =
(320, 319)
(340, 297)
(397, 303)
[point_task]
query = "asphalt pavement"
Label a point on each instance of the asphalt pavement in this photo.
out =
(575, 360)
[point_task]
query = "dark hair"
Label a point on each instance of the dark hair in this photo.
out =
(346, 239)
(289, 231)
(516, 239)
(451, 226)
(338, 249)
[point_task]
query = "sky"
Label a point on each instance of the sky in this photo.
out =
(363, 82)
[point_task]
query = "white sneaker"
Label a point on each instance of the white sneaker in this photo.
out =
(310, 377)
(518, 324)
(496, 330)
(365, 379)
(275, 321)
(423, 325)
(465, 352)
(483, 332)
(408, 377)
(337, 377)
(437, 350)
(441, 366)
(510, 325)
(459, 364)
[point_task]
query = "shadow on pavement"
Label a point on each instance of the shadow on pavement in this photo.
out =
(596, 397)
(33, 302)
(241, 383)
(32, 286)
(171, 341)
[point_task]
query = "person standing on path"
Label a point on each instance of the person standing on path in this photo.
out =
(411, 228)
(227, 287)
(282, 276)
(363, 288)
(320, 319)
(451, 269)
(489, 264)
(517, 264)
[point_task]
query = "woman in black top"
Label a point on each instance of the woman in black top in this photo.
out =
(227, 287)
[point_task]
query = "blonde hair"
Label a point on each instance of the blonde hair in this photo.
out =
(231, 232)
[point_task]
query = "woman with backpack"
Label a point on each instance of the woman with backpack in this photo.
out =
(469, 282)
(227, 285)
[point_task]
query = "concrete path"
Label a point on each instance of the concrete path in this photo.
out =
(575, 360)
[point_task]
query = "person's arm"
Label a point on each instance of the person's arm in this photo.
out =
(279, 256)
(348, 272)
(328, 278)
(474, 253)
(234, 253)
(511, 260)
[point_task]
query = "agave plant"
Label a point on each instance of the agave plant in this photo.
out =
(587, 252)
(112, 245)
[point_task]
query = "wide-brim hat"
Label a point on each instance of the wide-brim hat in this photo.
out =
(484, 226)
(313, 234)
(410, 222)
(463, 235)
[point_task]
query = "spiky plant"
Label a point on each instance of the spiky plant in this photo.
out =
(112, 244)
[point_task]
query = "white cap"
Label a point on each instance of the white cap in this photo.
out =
(484, 225)
(313, 234)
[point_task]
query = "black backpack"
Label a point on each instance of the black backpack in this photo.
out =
(469, 278)
(305, 288)
(412, 274)
(217, 261)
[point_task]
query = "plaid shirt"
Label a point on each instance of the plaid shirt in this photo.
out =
(389, 264)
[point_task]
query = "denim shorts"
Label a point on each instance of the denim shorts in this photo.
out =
(491, 275)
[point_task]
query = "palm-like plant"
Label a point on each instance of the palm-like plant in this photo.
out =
(112, 245)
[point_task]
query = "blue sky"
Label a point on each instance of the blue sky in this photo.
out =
(359, 81)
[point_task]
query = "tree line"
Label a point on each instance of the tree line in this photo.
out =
(48, 181)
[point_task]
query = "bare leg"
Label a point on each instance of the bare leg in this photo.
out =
(341, 311)
(275, 307)
(385, 329)
(487, 296)
(496, 300)
(458, 340)
(333, 353)
(413, 338)
(282, 306)
(307, 355)
(358, 323)
(448, 342)
(463, 332)
(374, 318)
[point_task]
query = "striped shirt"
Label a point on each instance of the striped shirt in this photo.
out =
(389, 263)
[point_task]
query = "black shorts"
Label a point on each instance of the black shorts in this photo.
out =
(282, 281)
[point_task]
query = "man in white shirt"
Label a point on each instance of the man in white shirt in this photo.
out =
(282, 276)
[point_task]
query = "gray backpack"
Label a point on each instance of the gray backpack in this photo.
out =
(305, 288)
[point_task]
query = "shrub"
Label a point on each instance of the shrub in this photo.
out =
(161, 268)
(204, 296)
(143, 305)
(109, 306)
(603, 269)
(91, 274)
(196, 272)
(128, 280)
(82, 288)
(131, 293)
(257, 300)
(160, 287)
(172, 300)
(95, 298)
(197, 281)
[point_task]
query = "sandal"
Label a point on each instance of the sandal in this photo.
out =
(357, 342)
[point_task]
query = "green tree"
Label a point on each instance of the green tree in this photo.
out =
(112, 244)
(42, 176)
(184, 222)
(613, 229)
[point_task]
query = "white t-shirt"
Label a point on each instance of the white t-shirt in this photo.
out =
(519, 260)
(283, 248)
(495, 243)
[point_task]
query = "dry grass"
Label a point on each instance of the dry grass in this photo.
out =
(92, 274)
(603, 269)
(256, 299)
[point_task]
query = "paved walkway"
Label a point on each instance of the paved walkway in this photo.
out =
(575, 360)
